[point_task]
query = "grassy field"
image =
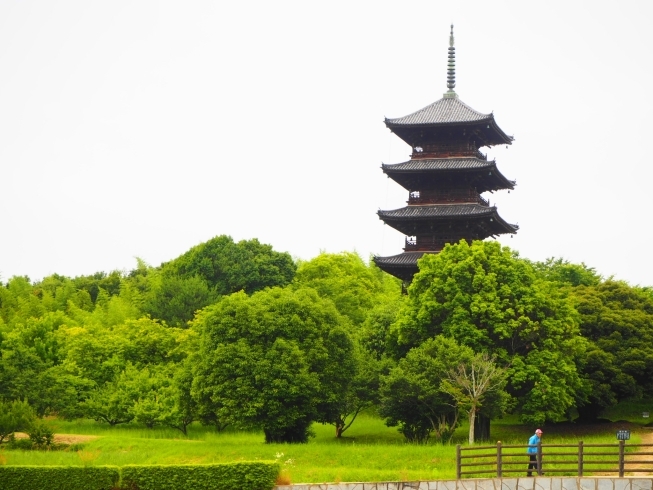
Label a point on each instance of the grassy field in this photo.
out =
(368, 451)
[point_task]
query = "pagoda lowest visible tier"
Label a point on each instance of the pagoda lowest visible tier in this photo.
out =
(445, 178)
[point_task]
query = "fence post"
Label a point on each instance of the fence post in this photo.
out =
(622, 463)
(580, 458)
(458, 462)
(539, 459)
(499, 469)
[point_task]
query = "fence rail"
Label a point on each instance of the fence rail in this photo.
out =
(571, 459)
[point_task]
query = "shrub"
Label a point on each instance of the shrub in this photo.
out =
(241, 476)
(59, 477)
(40, 434)
(23, 444)
(15, 416)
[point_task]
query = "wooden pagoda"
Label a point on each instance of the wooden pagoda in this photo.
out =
(445, 177)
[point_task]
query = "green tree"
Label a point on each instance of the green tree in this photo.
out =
(176, 299)
(272, 360)
(21, 369)
(616, 318)
(376, 334)
(472, 383)
(228, 267)
(566, 273)
(412, 395)
(92, 284)
(114, 401)
(362, 391)
(489, 299)
(345, 279)
(180, 408)
(15, 416)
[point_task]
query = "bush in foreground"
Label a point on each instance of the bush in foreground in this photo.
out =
(59, 477)
(242, 475)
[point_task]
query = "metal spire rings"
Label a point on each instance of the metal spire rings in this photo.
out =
(451, 67)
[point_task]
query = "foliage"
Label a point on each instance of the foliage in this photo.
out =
(114, 402)
(375, 335)
(179, 406)
(15, 416)
(117, 346)
(100, 281)
(616, 319)
(40, 433)
(228, 267)
(564, 272)
(412, 396)
(370, 451)
(272, 359)
(345, 279)
(59, 477)
(257, 475)
(361, 394)
(489, 299)
(175, 299)
(472, 383)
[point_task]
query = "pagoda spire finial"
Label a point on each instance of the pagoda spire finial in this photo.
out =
(451, 68)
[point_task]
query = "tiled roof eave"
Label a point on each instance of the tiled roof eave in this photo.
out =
(444, 111)
(434, 211)
(393, 123)
(445, 212)
(460, 163)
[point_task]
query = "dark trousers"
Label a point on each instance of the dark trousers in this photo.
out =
(532, 465)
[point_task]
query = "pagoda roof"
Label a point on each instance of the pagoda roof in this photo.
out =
(439, 211)
(448, 112)
(440, 164)
(406, 219)
(404, 173)
(403, 259)
(403, 266)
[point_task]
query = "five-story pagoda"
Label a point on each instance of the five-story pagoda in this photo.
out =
(445, 178)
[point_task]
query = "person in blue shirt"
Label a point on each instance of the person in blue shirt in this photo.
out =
(532, 450)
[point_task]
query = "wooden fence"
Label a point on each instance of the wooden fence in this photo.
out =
(562, 459)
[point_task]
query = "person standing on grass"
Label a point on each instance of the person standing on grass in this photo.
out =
(532, 451)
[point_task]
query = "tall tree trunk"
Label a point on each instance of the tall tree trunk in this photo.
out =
(339, 428)
(472, 419)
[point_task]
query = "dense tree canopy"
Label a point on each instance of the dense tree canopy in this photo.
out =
(274, 360)
(229, 267)
(617, 320)
(345, 279)
(278, 345)
(412, 396)
(486, 297)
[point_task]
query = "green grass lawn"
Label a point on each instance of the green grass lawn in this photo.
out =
(368, 451)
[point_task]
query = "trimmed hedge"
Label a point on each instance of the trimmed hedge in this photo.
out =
(229, 476)
(59, 477)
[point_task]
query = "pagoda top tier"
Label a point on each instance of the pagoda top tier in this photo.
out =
(449, 119)
(446, 118)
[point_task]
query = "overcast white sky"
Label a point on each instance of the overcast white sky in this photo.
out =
(141, 128)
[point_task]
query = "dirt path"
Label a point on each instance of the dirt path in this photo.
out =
(647, 438)
(63, 438)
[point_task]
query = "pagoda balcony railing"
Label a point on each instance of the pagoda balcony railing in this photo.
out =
(428, 244)
(447, 198)
(452, 152)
